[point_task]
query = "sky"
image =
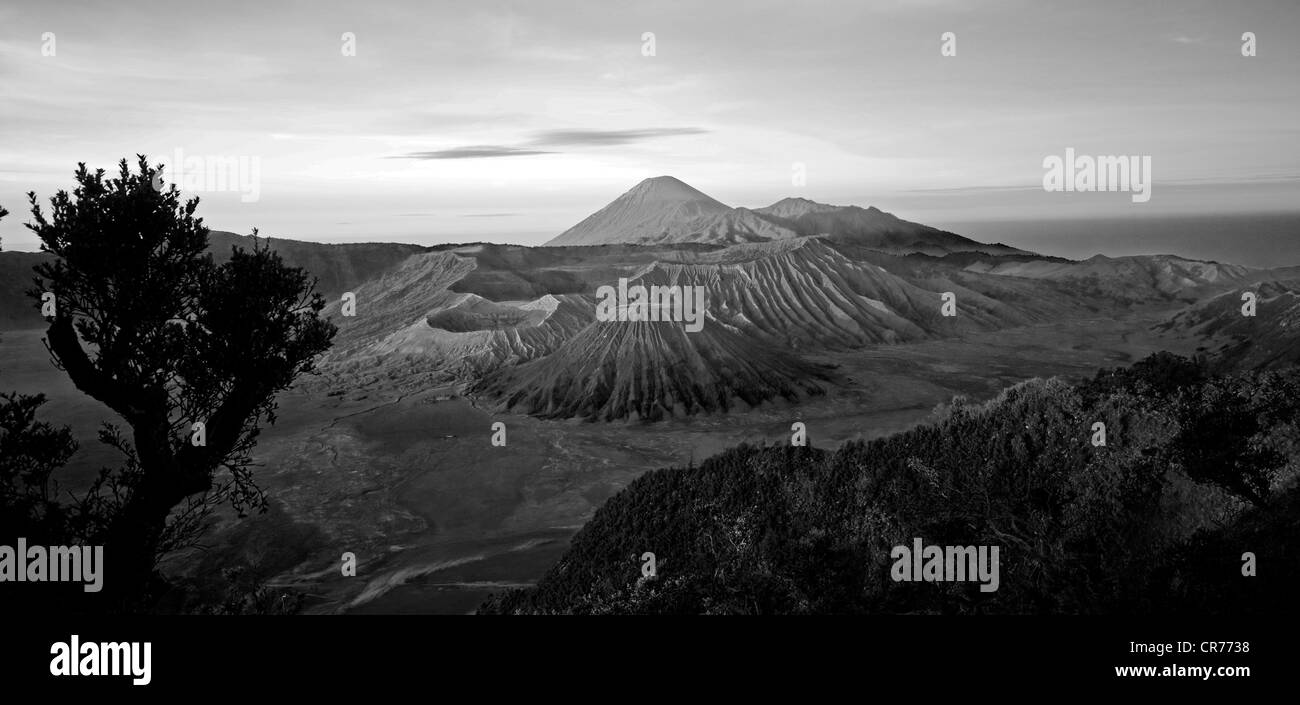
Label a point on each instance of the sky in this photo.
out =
(454, 121)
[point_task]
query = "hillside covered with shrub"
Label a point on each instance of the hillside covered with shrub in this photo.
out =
(1197, 470)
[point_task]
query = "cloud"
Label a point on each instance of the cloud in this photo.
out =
(600, 138)
(476, 152)
(556, 138)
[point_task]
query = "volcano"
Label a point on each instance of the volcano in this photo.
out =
(666, 210)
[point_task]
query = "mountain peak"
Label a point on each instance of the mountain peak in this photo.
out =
(665, 209)
(665, 181)
(668, 189)
(794, 207)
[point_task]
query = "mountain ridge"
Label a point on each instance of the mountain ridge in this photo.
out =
(664, 210)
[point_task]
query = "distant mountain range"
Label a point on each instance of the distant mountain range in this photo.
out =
(664, 210)
(1127, 278)
(336, 268)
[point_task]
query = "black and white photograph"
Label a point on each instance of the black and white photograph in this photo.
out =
(896, 314)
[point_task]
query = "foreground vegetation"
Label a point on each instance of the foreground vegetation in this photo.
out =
(188, 354)
(1197, 470)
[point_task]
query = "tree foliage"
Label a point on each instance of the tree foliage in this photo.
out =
(180, 348)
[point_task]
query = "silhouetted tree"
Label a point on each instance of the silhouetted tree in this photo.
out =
(148, 324)
(30, 452)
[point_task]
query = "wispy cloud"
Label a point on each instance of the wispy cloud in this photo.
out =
(556, 138)
(476, 152)
(603, 138)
